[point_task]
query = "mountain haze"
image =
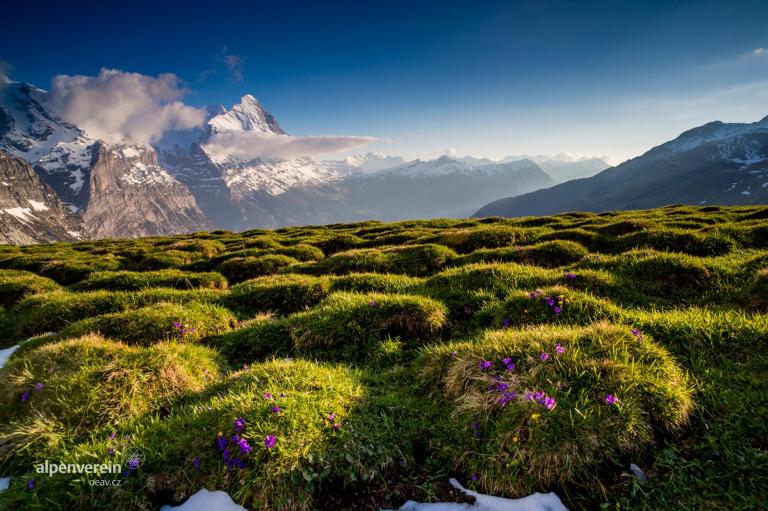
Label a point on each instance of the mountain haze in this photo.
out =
(717, 163)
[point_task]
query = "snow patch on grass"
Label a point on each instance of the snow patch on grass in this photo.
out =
(6, 354)
(534, 502)
(205, 500)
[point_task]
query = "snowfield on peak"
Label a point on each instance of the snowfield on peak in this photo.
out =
(29, 130)
(277, 177)
(247, 115)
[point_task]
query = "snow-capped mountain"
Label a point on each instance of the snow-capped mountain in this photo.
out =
(373, 162)
(247, 115)
(30, 210)
(717, 163)
(118, 191)
(61, 151)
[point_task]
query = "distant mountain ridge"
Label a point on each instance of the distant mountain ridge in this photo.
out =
(717, 163)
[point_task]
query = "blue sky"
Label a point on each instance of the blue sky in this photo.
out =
(483, 78)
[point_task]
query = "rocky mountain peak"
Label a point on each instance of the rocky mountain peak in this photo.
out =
(247, 115)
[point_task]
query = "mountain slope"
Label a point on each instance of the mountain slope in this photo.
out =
(30, 210)
(717, 163)
(437, 188)
(132, 196)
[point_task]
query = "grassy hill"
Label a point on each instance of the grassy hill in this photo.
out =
(356, 366)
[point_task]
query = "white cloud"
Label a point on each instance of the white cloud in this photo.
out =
(451, 151)
(239, 145)
(123, 107)
(234, 65)
(759, 52)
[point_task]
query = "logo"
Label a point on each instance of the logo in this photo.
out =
(134, 458)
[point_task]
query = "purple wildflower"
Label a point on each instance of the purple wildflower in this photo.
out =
(111, 451)
(24, 397)
(227, 460)
(484, 364)
(267, 395)
(501, 387)
(533, 296)
(505, 323)
(239, 424)
(539, 292)
(38, 386)
(133, 463)
(474, 477)
(557, 310)
(527, 327)
(559, 349)
(177, 324)
(275, 409)
(196, 462)
(331, 416)
(570, 276)
(221, 442)
(544, 356)
(31, 483)
(244, 447)
(372, 303)
(111, 436)
(550, 301)
(611, 399)
(282, 394)
(269, 441)
(549, 402)
(637, 333)
(510, 367)
(454, 354)
(336, 426)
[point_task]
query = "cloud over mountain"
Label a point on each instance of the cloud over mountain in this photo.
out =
(124, 107)
(241, 145)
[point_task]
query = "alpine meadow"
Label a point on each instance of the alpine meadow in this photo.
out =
(507, 255)
(324, 367)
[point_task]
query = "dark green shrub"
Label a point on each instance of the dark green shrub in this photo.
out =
(51, 312)
(16, 285)
(757, 292)
(278, 293)
(465, 241)
(353, 261)
(189, 322)
(261, 338)
(548, 254)
(547, 305)
(132, 281)
(90, 382)
(348, 325)
(70, 271)
(625, 227)
(668, 276)
(239, 269)
(675, 241)
(375, 283)
(589, 239)
(419, 260)
(337, 243)
(551, 421)
(208, 248)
